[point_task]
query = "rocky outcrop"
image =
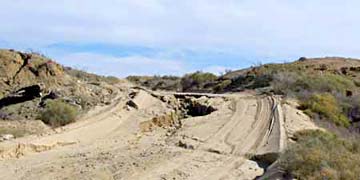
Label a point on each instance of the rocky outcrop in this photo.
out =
(50, 95)
(22, 95)
(26, 59)
(132, 104)
(22, 73)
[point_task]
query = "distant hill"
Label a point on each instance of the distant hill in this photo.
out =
(252, 77)
(312, 65)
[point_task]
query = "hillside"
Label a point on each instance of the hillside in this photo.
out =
(253, 77)
(305, 79)
(275, 121)
(29, 80)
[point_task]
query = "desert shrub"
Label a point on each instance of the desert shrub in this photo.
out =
(190, 82)
(330, 83)
(295, 83)
(134, 79)
(326, 94)
(327, 107)
(250, 81)
(58, 113)
(322, 95)
(260, 81)
(283, 83)
(169, 83)
(278, 68)
(110, 79)
(201, 77)
(321, 155)
(25, 110)
(85, 101)
(197, 80)
(238, 82)
(220, 87)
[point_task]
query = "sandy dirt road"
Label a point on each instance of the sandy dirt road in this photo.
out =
(108, 143)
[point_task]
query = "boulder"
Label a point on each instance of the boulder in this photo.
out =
(132, 104)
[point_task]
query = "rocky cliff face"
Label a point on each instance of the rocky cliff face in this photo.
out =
(27, 80)
(18, 70)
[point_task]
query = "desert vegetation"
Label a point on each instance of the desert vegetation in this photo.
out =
(327, 96)
(192, 82)
(58, 113)
(89, 77)
(29, 79)
(327, 91)
(169, 83)
(198, 81)
(322, 155)
(326, 106)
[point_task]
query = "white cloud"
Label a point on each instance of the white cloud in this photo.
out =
(123, 66)
(271, 29)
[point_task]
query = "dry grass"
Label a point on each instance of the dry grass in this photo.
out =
(17, 132)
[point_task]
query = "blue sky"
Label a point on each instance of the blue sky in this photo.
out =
(124, 37)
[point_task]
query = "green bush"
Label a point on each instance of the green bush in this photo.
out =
(169, 83)
(330, 83)
(322, 94)
(197, 81)
(326, 106)
(284, 83)
(296, 83)
(260, 81)
(248, 81)
(321, 155)
(222, 86)
(58, 113)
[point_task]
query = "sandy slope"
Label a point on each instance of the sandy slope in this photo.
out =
(108, 143)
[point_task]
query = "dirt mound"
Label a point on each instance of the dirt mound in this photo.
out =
(164, 121)
(25, 149)
(138, 133)
(181, 107)
(116, 139)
